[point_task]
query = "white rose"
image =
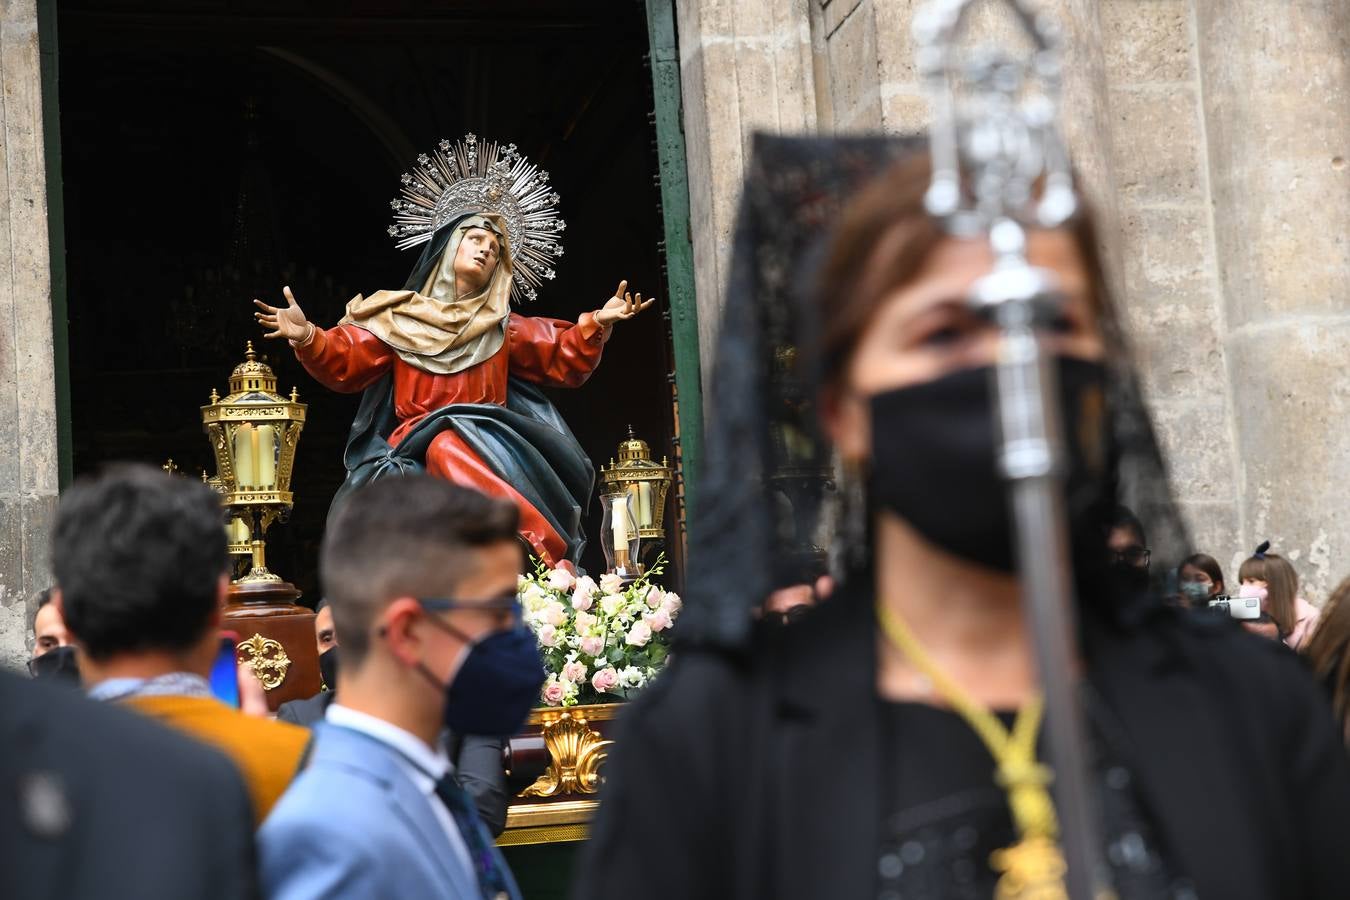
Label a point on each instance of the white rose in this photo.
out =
(554, 613)
(611, 583)
(611, 604)
(638, 635)
(534, 597)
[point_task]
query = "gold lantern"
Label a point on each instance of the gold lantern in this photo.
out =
(253, 432)
(640, 486)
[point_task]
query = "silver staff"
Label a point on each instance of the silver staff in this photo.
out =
(999, 133)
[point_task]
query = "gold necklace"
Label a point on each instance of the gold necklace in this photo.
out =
(1033, 868)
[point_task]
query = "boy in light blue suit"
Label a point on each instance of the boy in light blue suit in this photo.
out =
(421, 577)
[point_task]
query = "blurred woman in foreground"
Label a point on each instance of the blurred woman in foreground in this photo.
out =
(885, 745)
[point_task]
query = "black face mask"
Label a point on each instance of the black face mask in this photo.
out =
(328, 667)
(57, 665)
(935, 459)
(1132, 579)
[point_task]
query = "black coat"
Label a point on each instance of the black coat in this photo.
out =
(101, 803)
(757, 776)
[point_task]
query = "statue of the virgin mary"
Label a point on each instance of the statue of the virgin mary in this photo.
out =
(450, 374)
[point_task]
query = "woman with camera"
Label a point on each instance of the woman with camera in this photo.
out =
(1272, 578)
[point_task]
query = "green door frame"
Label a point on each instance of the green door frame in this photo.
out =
(679, 248)
(56, 237)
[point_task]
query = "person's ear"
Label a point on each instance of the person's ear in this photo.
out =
(847, 422)
(402, 630)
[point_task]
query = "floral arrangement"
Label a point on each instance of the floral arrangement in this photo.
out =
(601, 641)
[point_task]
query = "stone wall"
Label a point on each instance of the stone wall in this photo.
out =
(28, 461)
(1212, 136)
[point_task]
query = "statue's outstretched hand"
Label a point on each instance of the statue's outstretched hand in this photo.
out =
(621, 307)
(287, 322)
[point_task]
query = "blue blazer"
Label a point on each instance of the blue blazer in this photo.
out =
(353, 825)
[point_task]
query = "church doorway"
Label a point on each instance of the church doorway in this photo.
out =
(216, 150)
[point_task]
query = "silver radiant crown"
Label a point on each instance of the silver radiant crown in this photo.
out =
(469, 176)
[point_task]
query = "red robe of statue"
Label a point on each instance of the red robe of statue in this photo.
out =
(550, 352)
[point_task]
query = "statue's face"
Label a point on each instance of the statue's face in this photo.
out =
(475, 260)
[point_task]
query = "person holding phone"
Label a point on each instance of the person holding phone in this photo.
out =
(141, 573)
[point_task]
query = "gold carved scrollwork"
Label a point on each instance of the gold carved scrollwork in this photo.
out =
(575, 755)
(267, 658)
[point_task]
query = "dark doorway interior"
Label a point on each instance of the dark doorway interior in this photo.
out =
(216, 150)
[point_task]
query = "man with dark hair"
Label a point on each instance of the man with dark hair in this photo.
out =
(421, 575)
(53, 653)
(325, 638)
(1127, 548)
(49, 629)
(100, 802)
(141, 571)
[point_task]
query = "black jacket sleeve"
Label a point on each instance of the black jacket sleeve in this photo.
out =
(479, 769)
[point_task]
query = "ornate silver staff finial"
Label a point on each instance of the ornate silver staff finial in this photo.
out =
(991, 125)
(994, 142)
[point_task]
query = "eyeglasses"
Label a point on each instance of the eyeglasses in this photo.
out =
(1134, 556)
(507, 603)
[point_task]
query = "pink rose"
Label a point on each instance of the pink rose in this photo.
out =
(554, 614)
(671, 604)
(593, 645)
(574, 672)
(548, 636)
(605, 679)
(657, 621)
(553, 693)
(584, 621)
(655, 597)
(638, 635)
(611, 583)
(561, 580)
(583, 596)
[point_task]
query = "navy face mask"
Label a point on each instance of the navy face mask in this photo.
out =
(497, 684)
(935, 459)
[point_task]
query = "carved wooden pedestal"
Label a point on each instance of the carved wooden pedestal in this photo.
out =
(276, 637)
(558, 804)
